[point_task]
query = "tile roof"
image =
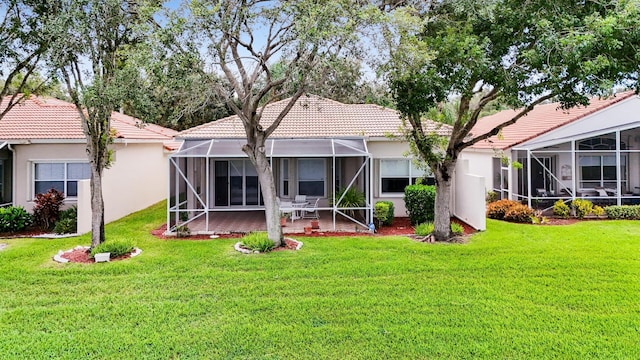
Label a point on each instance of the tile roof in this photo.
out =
(542, 119)
(53, 119)
(315, 117)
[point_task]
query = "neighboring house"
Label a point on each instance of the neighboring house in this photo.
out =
(42, 146)
(320, 147)
(588, 152)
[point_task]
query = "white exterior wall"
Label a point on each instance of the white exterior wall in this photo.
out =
(481, 164)
(136, 180)
(469, 196)
(387, 150)
(26, 155)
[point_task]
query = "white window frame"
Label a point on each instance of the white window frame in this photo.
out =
(65, 178)
(285, 176)
(410, 177)
(324, 176)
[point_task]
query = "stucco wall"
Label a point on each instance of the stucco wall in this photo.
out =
(387, 150)
(481, 164)
(136, 180)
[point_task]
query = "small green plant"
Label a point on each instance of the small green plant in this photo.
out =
(491, 196)
(561, 209)
(597, 210)
(619, 212)
(68, 222)
(537, 218)
(14, 218)
(183, 231)
(457, 229)
(582, 207)
(424, 229)
(383, 212)
(420, 202)
(257, 241)
(352, 198)
(116, 247)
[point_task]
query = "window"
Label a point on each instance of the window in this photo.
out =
(396, 174)
(284, 176)
(600, 171)
(60, 176)
(311, 177)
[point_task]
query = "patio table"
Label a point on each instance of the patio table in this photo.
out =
(297, 207)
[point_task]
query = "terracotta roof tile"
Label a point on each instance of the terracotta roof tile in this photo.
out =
(542, 119)
(315, 117)
(49, 118)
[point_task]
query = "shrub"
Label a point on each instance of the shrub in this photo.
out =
(352, 198)
(420, 202)
(457, 229)
(257, 241)
(384, 212)
(47, 209)
(597, 210)
(498, 209)
(182, 231)
(620, 212)
(583, 207)
(115, 247)
(519, 213)
(424, 229)
(491, 196)
(68, 223)
(561, 209)
(14, 218)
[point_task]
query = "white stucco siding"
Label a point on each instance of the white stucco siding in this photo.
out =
(387, 150)
(136, 180)
(481, 164)
(27, 155)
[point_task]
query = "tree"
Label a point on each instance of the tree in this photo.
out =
(518, 53)
(89, 40)
(22, 49)
(244, 39)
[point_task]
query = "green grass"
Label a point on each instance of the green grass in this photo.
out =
(515, 291)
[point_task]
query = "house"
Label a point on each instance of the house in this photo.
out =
(42, 146)
(590, 152)
(320, 148)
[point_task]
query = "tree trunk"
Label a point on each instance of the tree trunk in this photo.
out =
(268, 189)
(442, 215)
(97, 208)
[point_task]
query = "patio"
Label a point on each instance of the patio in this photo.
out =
(223, 222)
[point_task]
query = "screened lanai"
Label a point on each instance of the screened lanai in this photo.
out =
(602, 165)
(215, 175)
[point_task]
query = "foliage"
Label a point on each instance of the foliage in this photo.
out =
(116, 247)
(257, 241)
(90, 43)
(349, 198)
(582, 207)
(14, 218)
(519, 213)
(383, 211)
(623, 212)
(538, 218)
(68, 221)
(183, 231)
(519, 54)
(424, 229)
(420, 200)
(597, 210)
(46, 210)
(498, 209)
(491, 196)
(561, 209)
(457, 229)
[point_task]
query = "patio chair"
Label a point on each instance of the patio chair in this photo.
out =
(300, 199)
(286, 208)
(311, 212)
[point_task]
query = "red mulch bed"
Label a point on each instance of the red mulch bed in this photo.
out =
(400, 226)
(82, 256)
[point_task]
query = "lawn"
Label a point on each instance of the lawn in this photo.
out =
(514, 291)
